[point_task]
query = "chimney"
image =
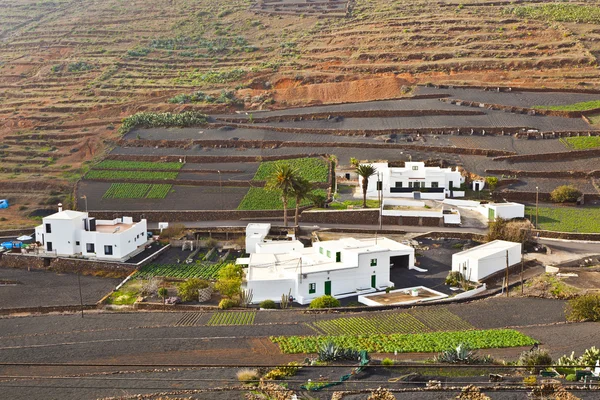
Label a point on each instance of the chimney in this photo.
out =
(59, 207)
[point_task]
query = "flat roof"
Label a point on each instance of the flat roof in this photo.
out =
(112, 228)
(488, 248)
(363, 245)
(506, 204)
(66, 214)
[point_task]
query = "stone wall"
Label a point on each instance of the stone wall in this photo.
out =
(546, 174)
(360, 217)
(567, 235)
(15, 260)
(208, 159)
(183, 216)
(558, 156)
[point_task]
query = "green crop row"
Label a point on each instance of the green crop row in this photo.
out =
(381, 324)
(558, 12)
(183, 271)
(156, 120)
(407, 343)
(581, 142)
(140, 175)
(567, 219)
(232, 318)
(136, 191)
(260, 199)
(131, 165)
(440, 319)
(583, 106)
(313, 169)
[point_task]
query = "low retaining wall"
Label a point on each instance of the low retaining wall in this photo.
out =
(364, 217)
(192, 215)
(514, 109)
(545, 174)
(207, 159)
(271, 144)
(567, 235)
(86, 267)
(46, 309)
(558, 156)
(455, 235)
(17, 232)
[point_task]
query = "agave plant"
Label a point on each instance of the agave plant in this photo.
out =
(461, 354)
(567, 361)
(332, 352)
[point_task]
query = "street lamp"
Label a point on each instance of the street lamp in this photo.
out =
(85, 198)
(537, 196)
(220, 188)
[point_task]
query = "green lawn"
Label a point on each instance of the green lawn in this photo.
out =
(261, 199)
(558, 12)
(313, 169)
(567, 219)
(583, 106)
(355, 203)
(581, 142)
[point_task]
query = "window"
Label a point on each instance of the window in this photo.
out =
(312, 288)
(321, 250)
(415, 168)
(410, 184)
(434, 184)
(328, 253)
(48, 228)
(417, 185)
(49, 246)
(398, 184)
(338, 257)
(76, 243)
(90, 248)
(373, 262)
(108, 250)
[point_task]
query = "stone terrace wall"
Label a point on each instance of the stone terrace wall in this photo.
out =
(567, 235)
(208, 159)
(183, 216)
(559, 156)
(15, 260)
(359, 217)
(546, 174)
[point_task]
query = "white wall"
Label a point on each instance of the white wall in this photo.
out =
(271, 289)
(278, 246)
(64, 236)
(482, 266)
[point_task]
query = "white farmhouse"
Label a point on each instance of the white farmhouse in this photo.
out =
(415, 181)
(482, 261)
(341, 268)
(72, 233)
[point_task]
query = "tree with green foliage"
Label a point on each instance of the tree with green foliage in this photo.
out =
(584, 308)
(565, 193)
(229, 282)
(365, 171)
(301, 190)
(283, 180)
(492, 182)
(188, 290)
(324, 302)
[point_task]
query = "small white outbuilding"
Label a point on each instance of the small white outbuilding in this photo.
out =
(482, 261)
(494, 211)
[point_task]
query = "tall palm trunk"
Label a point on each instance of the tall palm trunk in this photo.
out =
(297, 216)
(284, 200)
(365, 183)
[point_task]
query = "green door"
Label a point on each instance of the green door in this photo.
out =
(328, 288)
(491, 214)
(374, 281)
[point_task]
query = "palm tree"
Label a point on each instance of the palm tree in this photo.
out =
(301, 190)
(365, 171)
(282, 180)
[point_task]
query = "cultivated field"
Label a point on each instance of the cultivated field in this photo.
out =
(71, 70)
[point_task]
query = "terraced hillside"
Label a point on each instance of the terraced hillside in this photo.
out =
(71, 70)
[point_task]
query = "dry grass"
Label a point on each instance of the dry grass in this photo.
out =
(247, 375)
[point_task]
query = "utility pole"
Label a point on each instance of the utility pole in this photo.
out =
(506, 273)
(380, 188)
(80, 296)
(537, 197)
(522, 262)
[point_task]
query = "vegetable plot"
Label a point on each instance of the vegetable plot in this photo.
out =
(384, 324)
(136, 191)
(232, 318)
(184, 271)
(313, 169)
(407, 343)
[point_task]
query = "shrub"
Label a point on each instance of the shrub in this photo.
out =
(590, 356)
(229, 280)
(492, 182)
(534, 358)
(571, 377)
(247, 375)
(174, 230)
(454, 278)
(225, 304)
(283, 372)
(584, 308)
(188, 290)
(324, 302)
(512, 231)
(149, 287)
(565, 193)
(268, 304)
(387, 362)
(530, 380)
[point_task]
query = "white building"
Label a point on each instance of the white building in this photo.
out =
(341, 268)
(255, 233)
(482, 261)
(494, 211)
(72, 233)
(416, 181)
